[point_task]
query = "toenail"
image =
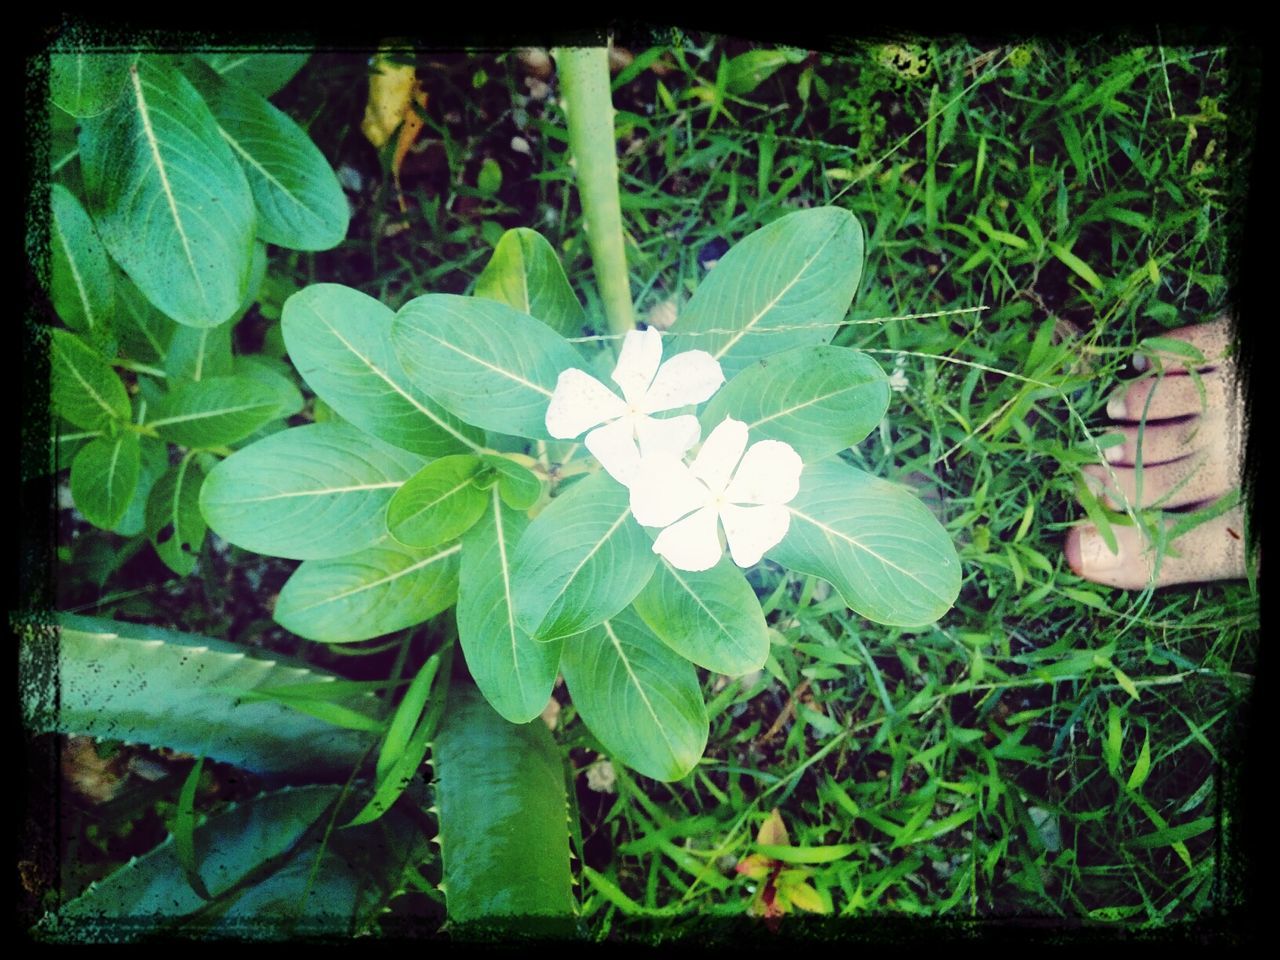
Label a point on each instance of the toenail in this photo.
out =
(1140, 362)
(1114, 454)
(1116, 408)
(1095, 555)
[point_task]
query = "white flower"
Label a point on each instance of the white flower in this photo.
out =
(625, 431)
(746, 493)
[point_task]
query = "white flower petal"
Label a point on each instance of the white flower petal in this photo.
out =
(753, 530)
(720, 453)
(614, 445)
(673, 436)
(638, 362)
(693, 543)
(689, 377)
(664, 490)
(578, 403)
(768, 473)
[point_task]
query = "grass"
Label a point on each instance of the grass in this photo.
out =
(1050, 748)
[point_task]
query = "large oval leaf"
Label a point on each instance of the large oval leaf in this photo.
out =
(196, 353)
(262, 72)
(170, 201)
(85, 83)
(639, 697)
(145, 333)
(80, 283)
(440, 502)
(83, 387)
(489, 364)
(581, 560)
(383, 588)
(153, 462)
(215, 411)
(786, 285)
(525, 273)
(299, 200)
(514, 672)
(340, 341)
(309, 493)
(504, 834)
(711, 617)
(876, 543)
(174, 523)
(821, 400)
(104, 476)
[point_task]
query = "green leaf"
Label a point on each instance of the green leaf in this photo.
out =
(514, 672)
(215, 411)
(264, 73)
(440, 502)
(525, 273)
(520, 488)
(274, 374)
(170, 202)
(152, 890)
(711, 617)
(638, 696)
(489, 179)
(485, 362)
(504, 835)
(748, 70)
(308, 493)
(1142, 768)
(86, 83)
(127, 681)
(84, 388)
(580, 561)
(340, 341)
(104, 476)
(197, 353)
(184, 832)
(174, 524)
(821, 400)
(80, 273)
(1076, 265)
(786, 285)
(876, 543)
(153, 463)
(145, 333)
(378, 590)
(299, 201)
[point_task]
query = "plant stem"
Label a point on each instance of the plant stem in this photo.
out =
(584, 73)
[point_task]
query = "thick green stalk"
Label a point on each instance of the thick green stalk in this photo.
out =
(584, 74)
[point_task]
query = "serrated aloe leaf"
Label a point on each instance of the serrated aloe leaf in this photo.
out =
(380, 589)
(199, 353)
(86, 83)
(300, 203)
(440, 502)
(151, 892)
(504, 836)
(174, 524)
(340, 341)
(80, 282)
(491, 365)
(581, 560)
(525, 274)
(307, 493)
(169, 199)
(214, 412)
(638, 696)
(711, 617)
(262, 72)
(519, 486)
(152, 464)
(142, 684)
(820, 399)
(514, 672)
(84, 388)
(786, 285)
(104, 476)
(874, 542)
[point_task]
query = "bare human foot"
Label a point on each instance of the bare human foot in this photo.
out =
(1182, 445)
